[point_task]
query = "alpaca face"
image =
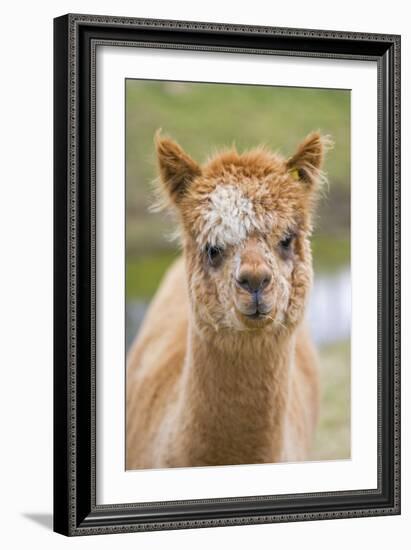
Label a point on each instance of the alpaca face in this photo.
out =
(245, 222)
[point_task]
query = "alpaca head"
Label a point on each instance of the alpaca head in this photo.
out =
(245, 222)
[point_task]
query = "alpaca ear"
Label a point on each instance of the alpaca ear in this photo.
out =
(306, 164)
(177, 169)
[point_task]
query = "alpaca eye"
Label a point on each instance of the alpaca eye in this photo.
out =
(285, 246)
(286, 242)
(214, 255)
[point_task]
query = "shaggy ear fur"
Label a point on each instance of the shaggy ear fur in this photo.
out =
(307, 162)
(177, 169)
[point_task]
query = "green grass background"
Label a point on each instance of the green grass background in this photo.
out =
(205, 117)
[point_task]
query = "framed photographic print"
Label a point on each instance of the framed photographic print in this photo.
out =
(227, 277)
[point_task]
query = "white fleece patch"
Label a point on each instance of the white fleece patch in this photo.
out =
(229, 218)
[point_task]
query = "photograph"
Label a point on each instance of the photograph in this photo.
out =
(238, 274)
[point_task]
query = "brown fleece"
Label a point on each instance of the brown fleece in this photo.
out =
(208, 382)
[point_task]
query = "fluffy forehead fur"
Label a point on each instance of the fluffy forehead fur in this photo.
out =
(239, 195)
(234, 195)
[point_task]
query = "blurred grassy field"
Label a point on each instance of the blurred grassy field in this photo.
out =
(206, 117)
(333, 433)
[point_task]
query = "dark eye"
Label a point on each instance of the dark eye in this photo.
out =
(286, 242)
(286, 245)
(214, 255)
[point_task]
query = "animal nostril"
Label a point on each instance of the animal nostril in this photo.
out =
(266, 281)
(244, 283)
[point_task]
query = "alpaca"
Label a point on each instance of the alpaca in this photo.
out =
(223, 370)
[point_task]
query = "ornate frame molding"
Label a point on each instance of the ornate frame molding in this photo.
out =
(76, 40)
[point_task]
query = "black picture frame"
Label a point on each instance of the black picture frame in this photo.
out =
(75, 40)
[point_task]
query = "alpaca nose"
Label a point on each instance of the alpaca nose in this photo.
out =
(254, 279)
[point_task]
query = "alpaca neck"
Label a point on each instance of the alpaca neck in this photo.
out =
(235, 393)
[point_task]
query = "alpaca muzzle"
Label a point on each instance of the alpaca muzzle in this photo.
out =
(255, 306)
(253, 282)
